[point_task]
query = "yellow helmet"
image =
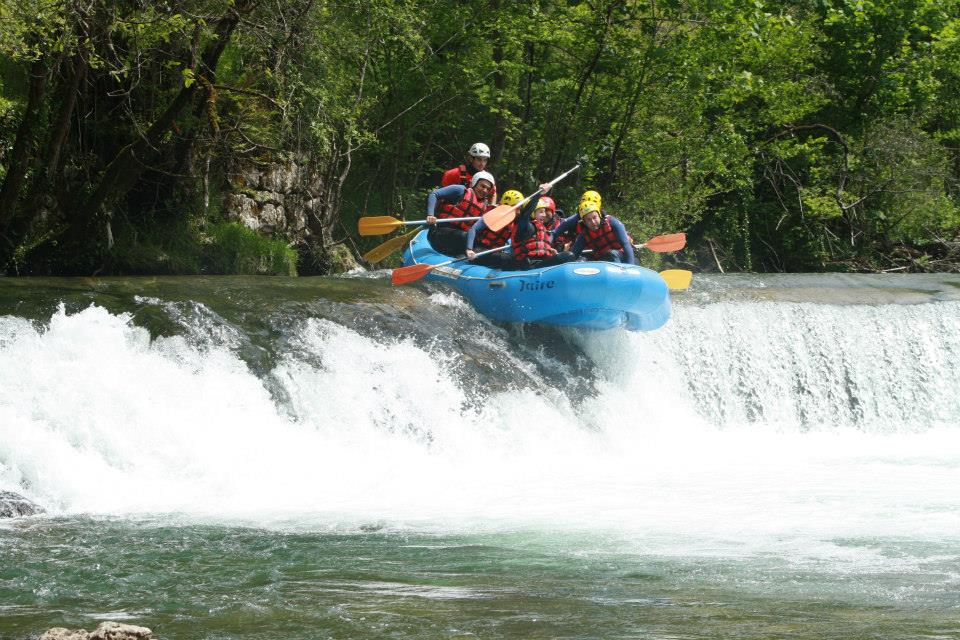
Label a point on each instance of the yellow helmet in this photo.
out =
(591, 196)
(511, 197)
(586, 205)
(586, 208)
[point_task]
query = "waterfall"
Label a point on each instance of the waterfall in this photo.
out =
(743, 419)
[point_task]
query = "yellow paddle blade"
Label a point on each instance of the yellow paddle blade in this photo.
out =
(499, 217)
(677, 278)
(377, 225)
(382, 251)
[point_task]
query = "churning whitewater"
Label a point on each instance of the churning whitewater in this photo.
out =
(744, 425)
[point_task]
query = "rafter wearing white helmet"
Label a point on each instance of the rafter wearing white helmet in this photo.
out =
(463, 174)
(479, 150)
(483, 175)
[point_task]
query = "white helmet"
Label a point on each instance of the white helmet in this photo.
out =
(482, 175)
(479, 150)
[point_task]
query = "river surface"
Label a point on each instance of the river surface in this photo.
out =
(338, 458)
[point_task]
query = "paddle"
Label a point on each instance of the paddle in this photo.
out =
(381, 251)
(677, 278)
(665, 244)
(499, 217)
(660, 244)
(381, 225)
(414, 272)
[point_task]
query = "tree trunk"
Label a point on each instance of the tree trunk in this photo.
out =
(499, 139)
(581, 87)
(129, 163)
(527, 97)
(45, 180)
(62, 127)
(20, 156)
(622, 133)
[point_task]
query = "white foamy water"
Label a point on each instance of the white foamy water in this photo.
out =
(739, 428)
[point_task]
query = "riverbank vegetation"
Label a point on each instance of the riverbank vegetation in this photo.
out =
(798, 135)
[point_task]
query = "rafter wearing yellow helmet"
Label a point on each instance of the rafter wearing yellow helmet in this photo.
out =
(589, 197)
(511, 197)
(605, 236)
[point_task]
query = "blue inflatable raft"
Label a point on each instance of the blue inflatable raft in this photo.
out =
(591, 295)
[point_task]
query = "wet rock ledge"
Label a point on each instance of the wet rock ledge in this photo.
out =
(13, 505)
(105, 631)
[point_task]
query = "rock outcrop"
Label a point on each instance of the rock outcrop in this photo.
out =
(341, 259)
(275, 199)
(104, 631)
(13, 505)
(285, 199)
(60, 633)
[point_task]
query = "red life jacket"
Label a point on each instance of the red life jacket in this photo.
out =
(469, 207)
(561, 239)
(601, 241)
(457, 175)
(462, 175)
(536, 245)
(492, 239)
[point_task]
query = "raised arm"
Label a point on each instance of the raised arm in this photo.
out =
(524, 226)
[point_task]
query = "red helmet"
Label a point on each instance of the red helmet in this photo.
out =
(546, 202)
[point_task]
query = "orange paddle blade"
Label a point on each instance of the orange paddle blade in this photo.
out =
(382, 251)
(499, 217)
(414, 272)
(677, 278)
(666, 244)
(377, 225)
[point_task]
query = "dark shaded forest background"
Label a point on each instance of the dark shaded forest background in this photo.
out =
(788, 135)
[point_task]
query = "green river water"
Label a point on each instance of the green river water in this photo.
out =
(237, 582)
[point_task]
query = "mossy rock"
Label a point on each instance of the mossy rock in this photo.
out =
(341, 259)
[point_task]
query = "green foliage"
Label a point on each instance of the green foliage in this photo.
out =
(905, 172)
(236, 249)
(805, 134)
(168, 249)
(31, 29)
(224, 248)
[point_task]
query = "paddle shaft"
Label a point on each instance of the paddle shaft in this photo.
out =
(442, 220)
(498, 218)
(414, 272)
(475, 255)
(636, 247)
(564, 175)
(380, 225)
(539, 192)
(659, 244)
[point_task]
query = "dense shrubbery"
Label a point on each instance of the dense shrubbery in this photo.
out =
(797, 135)
(236, 249)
